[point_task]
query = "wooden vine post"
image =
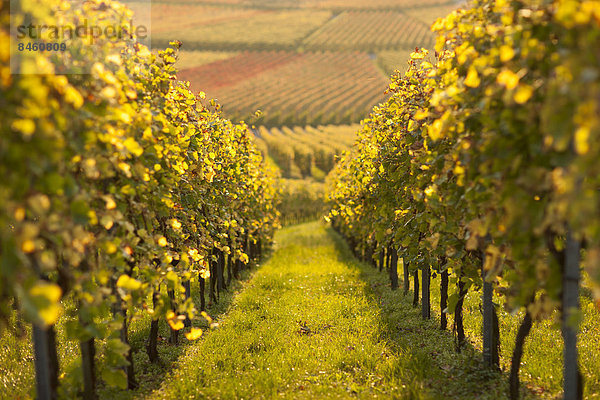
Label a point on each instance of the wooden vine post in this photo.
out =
(458, 313)
(152, 344)
(230, 263)
(443, 298)
(425, 292)
(88, 353)
(573, 385)
(188, 294)
(394, 268)
(487, 317)
(406, 276)
(46, 362)
(202, 287)
(212, 280)
(491, 356)
(416, 288)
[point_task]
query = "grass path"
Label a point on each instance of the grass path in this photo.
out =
(312, 322)
(315, 323)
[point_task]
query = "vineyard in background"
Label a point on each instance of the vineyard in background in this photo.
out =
(225, 39)
(130, 203)
(370, 31)
(223, 28)
(428, 15)
(196, 58)
(319, 4)
(291, 88)
(305, 152)
(387, 60)
(298, 62)
(393, 60)
(305, 156)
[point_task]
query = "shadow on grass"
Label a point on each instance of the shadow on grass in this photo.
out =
(150, 376)
(428, 365)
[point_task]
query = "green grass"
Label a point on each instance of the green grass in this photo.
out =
(150, 376)
(541, 366)
(315, 323)
(17, 374)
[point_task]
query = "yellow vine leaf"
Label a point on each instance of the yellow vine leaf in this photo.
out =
(25, 126)
(421, 114)
(582, 135)
(435, 130)
(506, 53)
(47, 297)
(522, 94)
(508, 79)
(206, 317)
(415, 55)
(19, 214)
(175, 324)
(194, 254)
(110, 202)
(175, 224)
(210, 175)
(193, 334)
(129, 283)
(162, 241)
(430, 190)
(411, 125)
(133, 147)
(205, 273)
(28, 246)
(472, 80)
(50, 291)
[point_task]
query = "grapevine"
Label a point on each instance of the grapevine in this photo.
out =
(116, 183)
(484, 161)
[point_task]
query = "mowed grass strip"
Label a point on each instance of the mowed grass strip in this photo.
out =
(315, 323)
(304, 327)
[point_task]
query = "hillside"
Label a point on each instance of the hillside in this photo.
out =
(298, 62)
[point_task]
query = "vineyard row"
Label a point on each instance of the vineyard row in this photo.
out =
(482, 168)
(120, 187)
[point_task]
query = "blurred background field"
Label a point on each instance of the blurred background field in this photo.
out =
(312, 68)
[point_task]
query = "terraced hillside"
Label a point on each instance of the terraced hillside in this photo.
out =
(304, 155)
(196, 58)
(370, 31)
(226, 28)
(317, 4)
(292, 88)
(298, 62)
(392, 60)
(285, 64)
(305, 152)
